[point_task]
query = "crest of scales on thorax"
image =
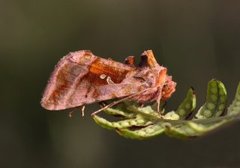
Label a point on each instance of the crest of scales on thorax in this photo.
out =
(82, 78)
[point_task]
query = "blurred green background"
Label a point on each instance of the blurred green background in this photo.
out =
(196, 40)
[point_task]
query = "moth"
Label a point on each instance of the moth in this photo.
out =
(81, 78)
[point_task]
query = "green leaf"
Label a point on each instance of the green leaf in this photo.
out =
(188, 105)
(143, 133)
(215, 101)
(141, 123)
(234, 108)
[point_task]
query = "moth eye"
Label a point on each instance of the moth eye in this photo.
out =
(166, 88)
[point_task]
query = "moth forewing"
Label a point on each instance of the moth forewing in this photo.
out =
(82, 78)
(77, 80)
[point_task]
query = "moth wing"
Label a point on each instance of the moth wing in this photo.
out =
(83, 78)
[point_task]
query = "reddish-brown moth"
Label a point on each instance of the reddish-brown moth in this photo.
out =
(82, 78)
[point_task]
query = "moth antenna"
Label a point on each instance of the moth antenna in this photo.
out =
(118, 101)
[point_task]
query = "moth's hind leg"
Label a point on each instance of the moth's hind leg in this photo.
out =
(82, 108)
(118, 101)
(102, 104)
(105, 106)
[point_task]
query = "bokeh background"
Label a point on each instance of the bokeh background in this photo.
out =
(196, 40)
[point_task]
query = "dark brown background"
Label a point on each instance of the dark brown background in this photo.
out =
(196, 40)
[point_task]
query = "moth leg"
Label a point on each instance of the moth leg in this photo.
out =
(130, 60)
(158, 106)
(159, 101)
(111, 104)
(102, 104)
(142, 105)
(70, 114)
(119, 101)
(83, 110)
